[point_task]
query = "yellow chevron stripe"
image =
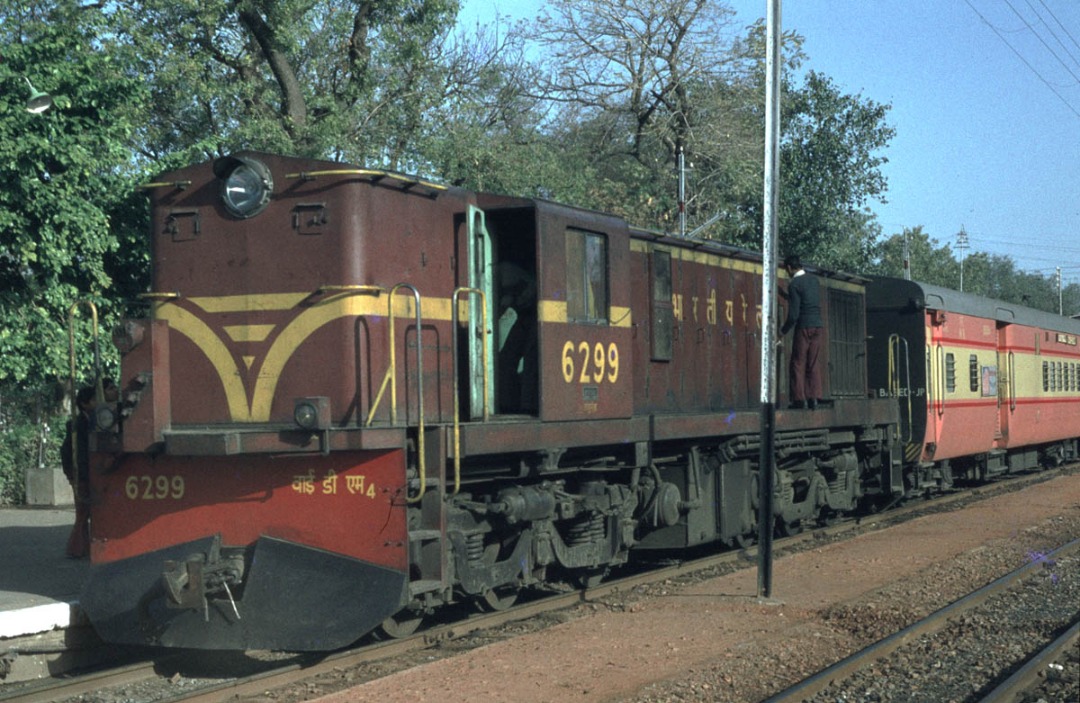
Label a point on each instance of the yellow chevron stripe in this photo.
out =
(250, 303)
(216, 352)
(319, 313)
(249, 333)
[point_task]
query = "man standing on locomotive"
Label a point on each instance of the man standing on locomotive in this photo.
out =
(804, 314)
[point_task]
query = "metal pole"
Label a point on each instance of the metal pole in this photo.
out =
(907, 258)
(1061, 308)
(766, 459)
(682, 192)
(961, 244)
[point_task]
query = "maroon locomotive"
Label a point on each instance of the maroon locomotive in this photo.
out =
(360, 396)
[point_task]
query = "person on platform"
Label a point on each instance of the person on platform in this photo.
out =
(75, 459)
(804, 314)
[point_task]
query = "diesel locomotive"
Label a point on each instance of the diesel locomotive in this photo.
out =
(359, 396)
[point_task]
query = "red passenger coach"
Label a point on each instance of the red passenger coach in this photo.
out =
(1041, 397)
(983, 386)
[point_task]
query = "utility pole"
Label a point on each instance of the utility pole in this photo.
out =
(682, 191)
(766, 456)
(962, 245)
(1061, 308)
(907, 258)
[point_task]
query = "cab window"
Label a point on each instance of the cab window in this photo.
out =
(587, 276)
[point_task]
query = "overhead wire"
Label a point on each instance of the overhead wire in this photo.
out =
(1063, 29)
(1020, 56)
(1041, 40)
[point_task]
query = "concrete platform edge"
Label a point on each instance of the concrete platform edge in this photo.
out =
(38, 618)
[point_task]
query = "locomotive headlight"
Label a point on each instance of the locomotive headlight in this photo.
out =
(105, 417)
(306, 416)
(246, 185)
(312, 413)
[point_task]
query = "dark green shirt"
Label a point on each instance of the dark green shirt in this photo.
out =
(804, 303)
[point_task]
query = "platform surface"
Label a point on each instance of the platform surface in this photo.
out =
(39, 585)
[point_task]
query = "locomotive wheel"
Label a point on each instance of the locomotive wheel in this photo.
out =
(398, 626)
(496, 599)
(789, 529)
(499, 597)
(590, 578)
(744, 541)
(828, 517)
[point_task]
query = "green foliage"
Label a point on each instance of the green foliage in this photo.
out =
(67, 171)
(830, 169)
(992, 276)
(305, 77)
(31, 432)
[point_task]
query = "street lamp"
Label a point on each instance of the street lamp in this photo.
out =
(38, 102)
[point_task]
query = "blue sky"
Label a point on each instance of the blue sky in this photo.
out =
(985, 102)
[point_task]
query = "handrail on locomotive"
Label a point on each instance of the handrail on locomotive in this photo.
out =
(99, 391)
(456, 314)
(390, 377)
(898, 388)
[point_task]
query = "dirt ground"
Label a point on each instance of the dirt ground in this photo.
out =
(714, 640)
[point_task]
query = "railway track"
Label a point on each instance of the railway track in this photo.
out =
(1045, 676)
(932, 658)
(173, 679)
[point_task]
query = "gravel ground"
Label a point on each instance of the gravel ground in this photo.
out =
(980, 648)
(996, 640)
(1061, 682)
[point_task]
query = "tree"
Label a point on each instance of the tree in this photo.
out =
(309, 77)
(930, 262)
(633, 84)
(66, 171)
(830, 168)
(487, 133)
(988, 275)
(67, 174)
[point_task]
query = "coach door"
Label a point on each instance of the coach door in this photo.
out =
(480, 345)
(1006, 385)
(502, 245)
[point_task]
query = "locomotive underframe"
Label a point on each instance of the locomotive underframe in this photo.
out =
(939, 475)
(568, 514)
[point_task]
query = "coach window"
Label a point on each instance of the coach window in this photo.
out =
(950, 373)
(663, 311)
(586, 276)
(973, 373)
(1046, 377)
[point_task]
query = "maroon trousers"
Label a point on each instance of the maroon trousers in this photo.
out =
(805, 373)
(78, 545)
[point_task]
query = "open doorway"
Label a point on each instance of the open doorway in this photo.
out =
(515, 302)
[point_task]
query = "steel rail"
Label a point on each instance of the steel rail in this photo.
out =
(929, 625)
(58, 689)
(1027, 676)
